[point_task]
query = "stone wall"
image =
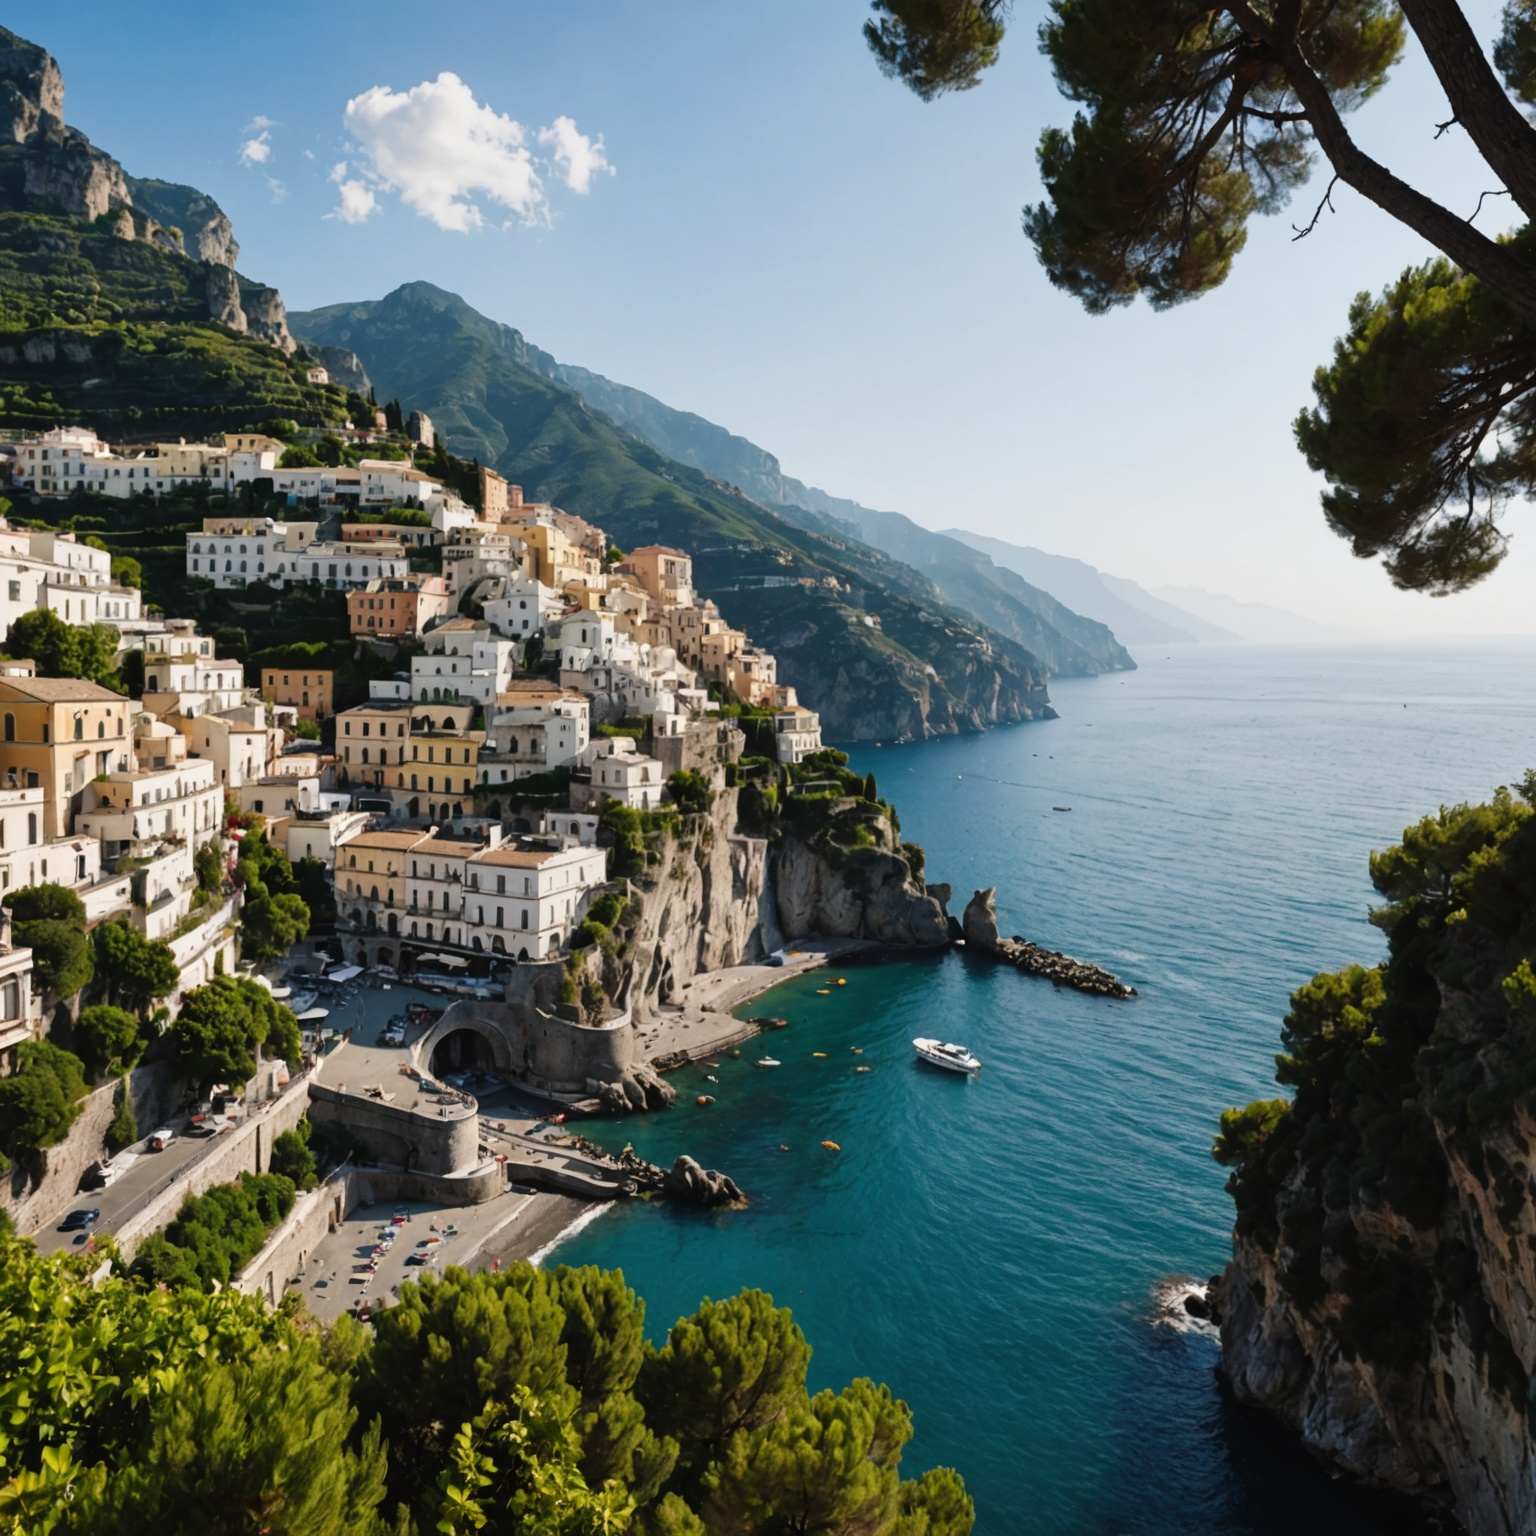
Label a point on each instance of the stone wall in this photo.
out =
(151, 1090)
(245, 1149)
(448, 1144)
(322, 1209)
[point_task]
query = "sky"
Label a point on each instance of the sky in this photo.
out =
(727, 206)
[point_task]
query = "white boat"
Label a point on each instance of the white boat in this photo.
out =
(953, 1058)
(769, 1061)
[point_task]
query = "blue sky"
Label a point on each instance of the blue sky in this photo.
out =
(800, 250)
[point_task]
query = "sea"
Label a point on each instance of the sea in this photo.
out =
(1008, 1252)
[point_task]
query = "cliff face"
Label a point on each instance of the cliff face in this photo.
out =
(714, 896)
(1381, 1299)
(47, 167)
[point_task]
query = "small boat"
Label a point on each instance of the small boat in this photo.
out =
(863, 1069)
(819, 1055)
(858, 1050)
(832, 1146)
(940, 1053)
(823, 991)
(704, 1100)
(769, 1061)
(709, 1077)
(1061, 807)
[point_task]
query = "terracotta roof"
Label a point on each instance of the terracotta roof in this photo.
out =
(660, 549)
(385, 840)
(62, 690)
(447, 848)
(519, 858)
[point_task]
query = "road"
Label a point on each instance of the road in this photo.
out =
(143, 1175)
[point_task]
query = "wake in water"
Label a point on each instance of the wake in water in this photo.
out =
(1172, 1300)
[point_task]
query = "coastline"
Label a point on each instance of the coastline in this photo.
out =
(701, 1022)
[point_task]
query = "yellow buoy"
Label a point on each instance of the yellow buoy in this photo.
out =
(842, 981)
(831, 1146)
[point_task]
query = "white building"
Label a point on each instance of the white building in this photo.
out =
(524, 901)
(567, 827)
(191, 685)
(347, 566)
(524, 607)
(464, 660)
(142, 809)
(796, 734)
(533, 728)
(318, 837)
(621, 772)
(234, 552)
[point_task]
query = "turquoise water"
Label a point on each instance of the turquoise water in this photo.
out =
(994, 1248)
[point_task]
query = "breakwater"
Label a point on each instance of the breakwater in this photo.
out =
(978, 928)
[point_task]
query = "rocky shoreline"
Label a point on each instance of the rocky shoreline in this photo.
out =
(978, 931)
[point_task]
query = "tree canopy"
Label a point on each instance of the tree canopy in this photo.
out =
(40, 1099)
(221, 1026)
(1192, 116)
(133, 970)
(50, 921)
(87, 651)
(131, 1401)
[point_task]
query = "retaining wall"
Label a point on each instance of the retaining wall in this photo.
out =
(152, 1092)
(417, 1143)
(322, 1209)
(245, 1149)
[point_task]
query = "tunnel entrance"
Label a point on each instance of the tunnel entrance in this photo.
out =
(462, 1050)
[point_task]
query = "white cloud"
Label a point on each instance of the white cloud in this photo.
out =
(256, 149)
(578, 158)
(355, 202)
(452, 158)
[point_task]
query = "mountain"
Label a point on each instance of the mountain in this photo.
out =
(1257, 622)
(1132, 612)
(869, 642)
(1067, 642)
(120, 306)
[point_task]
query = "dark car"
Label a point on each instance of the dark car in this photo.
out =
(78, 1221)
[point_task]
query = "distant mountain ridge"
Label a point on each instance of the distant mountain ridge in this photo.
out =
(1066, 637)
(1134, 613)
(869, 641)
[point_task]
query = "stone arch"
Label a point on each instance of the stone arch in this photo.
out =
(462, 1016)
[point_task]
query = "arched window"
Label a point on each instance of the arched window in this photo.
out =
(79, 726)
(10, 727)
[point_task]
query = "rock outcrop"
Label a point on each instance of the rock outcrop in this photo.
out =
(979, 930)
(50, 168)
(686, 1181)
(854, 893)
(31, 89)
(1381, 1299)
(641, 1088)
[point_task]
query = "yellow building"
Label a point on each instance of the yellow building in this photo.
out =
(60, 733)
(371, 879)
(308, 691)
(438, 775)
(370, 740)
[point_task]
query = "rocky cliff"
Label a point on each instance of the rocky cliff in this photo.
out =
(51, 169)
(712, 893)
(1381, 1299)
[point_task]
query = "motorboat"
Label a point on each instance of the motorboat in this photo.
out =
(940, 1053)
(769, 1061)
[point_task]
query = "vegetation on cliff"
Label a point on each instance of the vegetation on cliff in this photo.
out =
(536, 1406)
(1387, 1198)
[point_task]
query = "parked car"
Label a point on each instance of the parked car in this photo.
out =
(161, 1139)
(80, 1220)
(99, 1174)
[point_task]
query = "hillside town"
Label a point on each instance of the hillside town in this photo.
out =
(536, 666)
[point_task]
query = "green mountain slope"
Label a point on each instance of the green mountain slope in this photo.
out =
(926, 669)
(1069, 643)
(119, 304)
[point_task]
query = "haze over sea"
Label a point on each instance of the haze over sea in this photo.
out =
(993, 1249)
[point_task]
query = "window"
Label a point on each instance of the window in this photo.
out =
(31, 829)
(10, 727)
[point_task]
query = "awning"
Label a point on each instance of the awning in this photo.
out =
(346, 973)
(453, 962)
